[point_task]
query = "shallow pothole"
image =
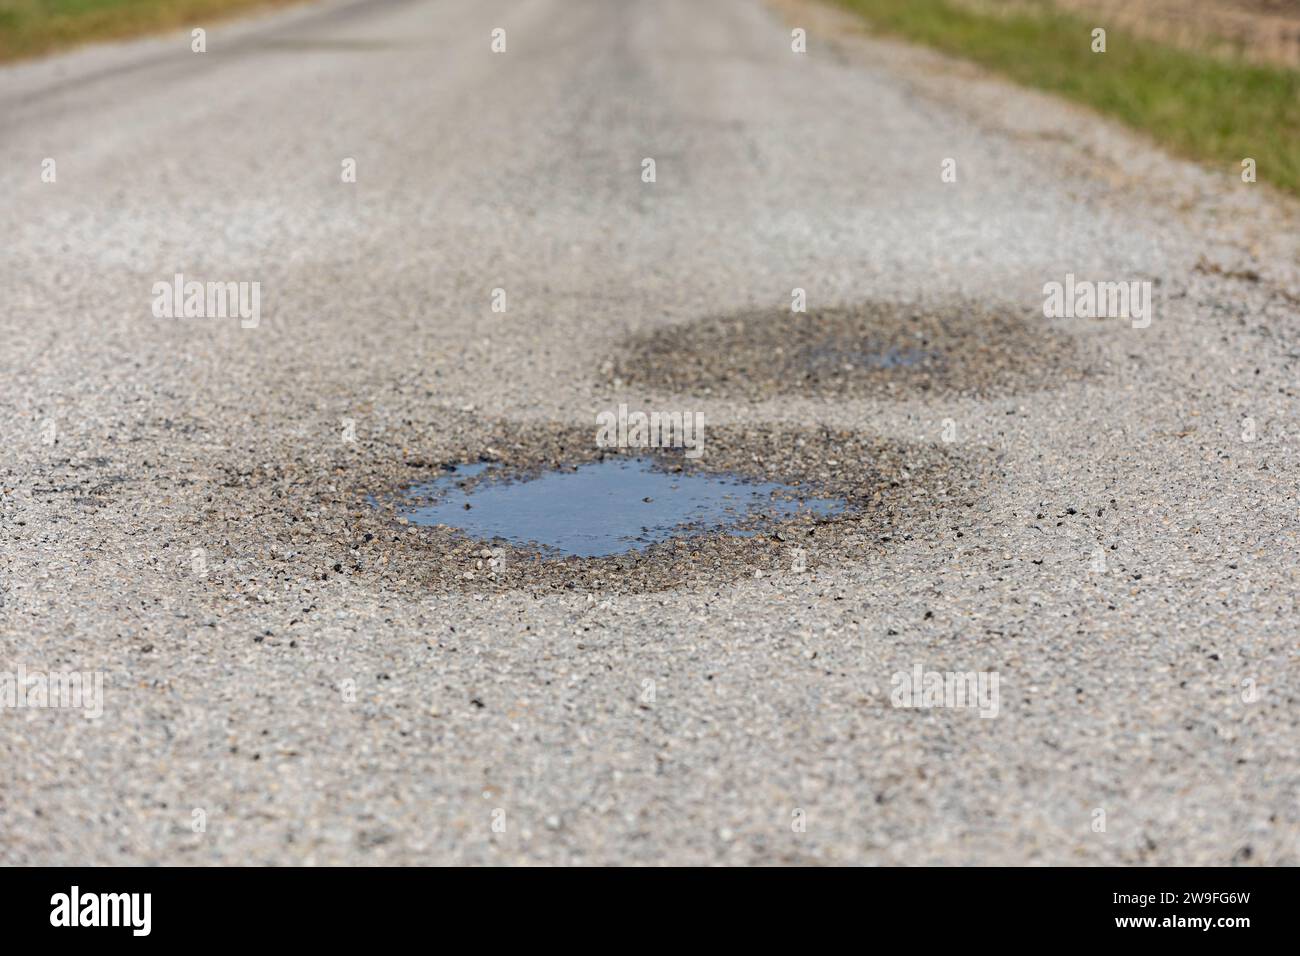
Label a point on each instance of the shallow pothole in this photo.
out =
(873, 349)
(874, 492)
(605, 507)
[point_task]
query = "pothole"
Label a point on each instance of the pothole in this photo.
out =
(868, 350)
(606, 507)
(773, 501)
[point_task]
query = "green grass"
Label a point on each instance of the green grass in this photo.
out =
(1200, 106)
(31, 27)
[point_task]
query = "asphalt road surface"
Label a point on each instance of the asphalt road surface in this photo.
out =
(1102, 517)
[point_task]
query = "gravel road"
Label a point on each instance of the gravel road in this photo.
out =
(1101, 517)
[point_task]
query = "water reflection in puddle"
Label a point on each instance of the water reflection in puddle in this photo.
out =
(606, 507)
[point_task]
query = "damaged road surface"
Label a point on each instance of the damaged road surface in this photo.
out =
(1017, 569)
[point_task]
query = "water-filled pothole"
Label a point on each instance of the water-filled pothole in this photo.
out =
(894, 491)
(606, 507)
(872, 349)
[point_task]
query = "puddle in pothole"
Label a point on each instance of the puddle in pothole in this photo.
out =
(606, 507)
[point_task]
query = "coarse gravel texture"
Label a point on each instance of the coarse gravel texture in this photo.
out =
(1078, 510)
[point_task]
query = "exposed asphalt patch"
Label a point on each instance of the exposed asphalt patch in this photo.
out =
(869, 350)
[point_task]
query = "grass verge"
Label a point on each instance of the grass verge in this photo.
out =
(1199, 106)
(31, 27)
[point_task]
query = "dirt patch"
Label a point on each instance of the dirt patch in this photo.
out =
(868, 350)
(1258, 31)
(1261, 31)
